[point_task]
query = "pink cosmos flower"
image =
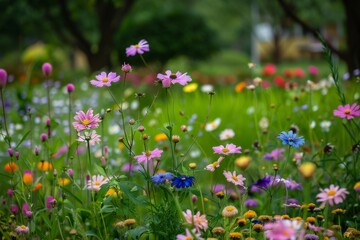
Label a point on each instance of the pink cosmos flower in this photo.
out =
(313, 70)
(189, 236)
(92, 137)
(172, 78)
(229, 149)
(235, 179)
(104, 79)
(332, 195)
(279, 231)
(96, 182)
(149, 155)
(199, 221)
(140, 48)
(211, 167)
(86, 120)
(348, 111)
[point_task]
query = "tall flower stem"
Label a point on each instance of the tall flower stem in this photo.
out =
(48, 105)
(7, 138)
(89, 156)
(69, 121)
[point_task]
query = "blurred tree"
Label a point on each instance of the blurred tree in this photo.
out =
(351, 55)
(171, 34)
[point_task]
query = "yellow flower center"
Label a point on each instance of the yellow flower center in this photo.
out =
(235, 178)
(23, 226)
(97, 183)
(148, 153)
(331, 193)
(229, 209)
(225, 150)
(215, 164)
(105, 79)
(137, 46)
(85, 121)
(347, 111)
(188, 238)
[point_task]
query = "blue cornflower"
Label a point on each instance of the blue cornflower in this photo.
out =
(183, 181)
(290, 138)
(162, 178)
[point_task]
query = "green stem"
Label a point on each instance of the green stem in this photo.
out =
(89, 156)
(4, 117)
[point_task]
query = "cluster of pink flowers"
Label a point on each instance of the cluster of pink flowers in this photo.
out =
(87, 121)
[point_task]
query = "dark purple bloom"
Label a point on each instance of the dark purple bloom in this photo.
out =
(3, 78)
(10, 192)
(26, 210)
(311, 237)
(292, 201)
(14, 209)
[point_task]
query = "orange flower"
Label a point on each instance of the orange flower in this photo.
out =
(27, 178)
(45, 166)
(11, 167)
(240, 86)
(160, 137)
(37, 187)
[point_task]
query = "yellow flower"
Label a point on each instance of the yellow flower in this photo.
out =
(63, 181)
(113, 192)
(307, 169)
(160, 137)
(357, 186)
(191, 87)
(45, 166)
(235, 235)
(243, 162)
(250, 214)
(257, 227)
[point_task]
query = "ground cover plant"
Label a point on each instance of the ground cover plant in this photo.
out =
(272, 157)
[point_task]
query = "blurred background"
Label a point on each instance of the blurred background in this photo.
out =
(210, 38)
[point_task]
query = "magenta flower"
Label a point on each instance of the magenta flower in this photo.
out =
(46, 69)
(149, 155)
(348, 111)
(86, 120)
(140, 48)
(229, 149)
(172, 78)
(332, 195)
(3, 78)
(313, 70)
(104, 79)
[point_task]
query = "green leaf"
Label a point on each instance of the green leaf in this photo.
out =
(100, 170)
(72, 195)
(23, 138)
(91, 233)
(137, 232)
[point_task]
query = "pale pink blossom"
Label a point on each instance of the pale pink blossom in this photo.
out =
(211, 167)
(96, 182)
(234, 178)
(228, 149)
(148, 156)
(227, 134)
(279, 231)
(140, 48)
(199, 221)
(104, 79)
(91, 137)
(189, 236)
(86, 120)
(332, 195)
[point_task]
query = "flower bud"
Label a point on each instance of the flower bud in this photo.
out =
(36, 150)
(3, 78)
(17, 154)
(183, 128)
(103, 161)
(126, 68)
(145, 137)
(192, 165)
(47, 69)
(70, 87)
(141, 128)
(132, 121)
(175, 139)
(11, 152)
(43, 137)
(70, 172)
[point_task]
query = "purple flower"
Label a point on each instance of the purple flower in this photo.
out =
(50, 202)
(275, 154)
(70, 87)
(104, 79)
(43, 137)
(310, 236)
(139, 48)
(313, 70)
(10, 192)
(251, 203)
(172, 78)
(26, 210)
(14, 209)
(46, 69)
(3, 78)
(86, 120)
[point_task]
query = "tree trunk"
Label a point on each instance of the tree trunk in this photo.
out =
(352, 27)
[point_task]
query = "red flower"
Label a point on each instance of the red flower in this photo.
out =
(269, 70)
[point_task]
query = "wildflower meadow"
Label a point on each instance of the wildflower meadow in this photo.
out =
(271, 156)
